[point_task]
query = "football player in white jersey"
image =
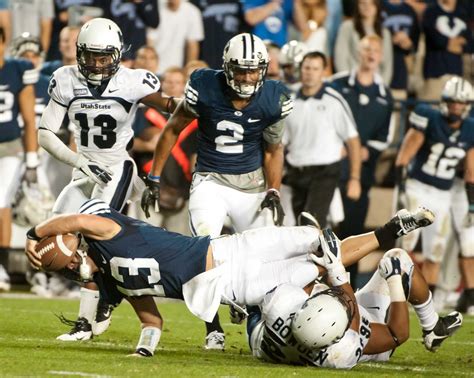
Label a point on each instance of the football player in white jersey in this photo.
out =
(100, 98)
(326, 329)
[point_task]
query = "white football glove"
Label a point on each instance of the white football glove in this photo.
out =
(95, 171)
(390, 266)
(329, 257)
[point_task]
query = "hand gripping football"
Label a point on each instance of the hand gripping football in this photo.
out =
(57, 251)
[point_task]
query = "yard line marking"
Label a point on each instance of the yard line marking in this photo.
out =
(450, 341)
(418, 369)
(80, 373)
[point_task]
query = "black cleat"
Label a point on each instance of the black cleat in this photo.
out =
(444, 328)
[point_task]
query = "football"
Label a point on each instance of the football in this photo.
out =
(57, 251)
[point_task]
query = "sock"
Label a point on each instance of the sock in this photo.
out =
(387, 234)
(432, 288)
(426, 314)
(88, 305)
(215, 325)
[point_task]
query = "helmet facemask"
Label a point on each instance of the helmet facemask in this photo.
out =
(94, 74)
(245, 90)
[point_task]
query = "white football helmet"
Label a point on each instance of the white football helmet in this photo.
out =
(245, 52)
(323, 319)
(25, 42)
(99, 36)
(290, 58)
(32, 205)
(456, 89)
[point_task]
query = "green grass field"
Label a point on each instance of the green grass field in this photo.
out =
(28, 328)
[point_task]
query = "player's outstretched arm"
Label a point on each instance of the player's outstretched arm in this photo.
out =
(396, 331)
(92, 226)
(30, 140)
(411, 144)
(152, 324)
(178, 121)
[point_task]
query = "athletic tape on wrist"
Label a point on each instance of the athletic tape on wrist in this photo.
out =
(31, 159)
(396, 289)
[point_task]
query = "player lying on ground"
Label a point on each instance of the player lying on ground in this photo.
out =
(326, 329)
(131, 259)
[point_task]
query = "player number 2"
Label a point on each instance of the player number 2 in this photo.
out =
(442, 162)
(121, 267)
(107, 124)
(6, 105)
(228, 144)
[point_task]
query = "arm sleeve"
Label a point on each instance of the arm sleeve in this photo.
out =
(191, 93)
(147, 83)
(419, 118)
(52, 116)
(273, 134)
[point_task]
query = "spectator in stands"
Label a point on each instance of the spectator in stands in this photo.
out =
(67, 48)
(401, 20)
(273, 71)
(222, 20)
(147, 58)
(314, 33)
(62, 9)
(5, 20)
(367, 20)
(270, 18)
(177, 38)
(447, 38)
(34, 17)
(134, 16)
(315, 134)
(371, 104)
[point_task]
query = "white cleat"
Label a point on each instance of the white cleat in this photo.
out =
(444, 328)
(81, 331)
(215, 341)
(409, 221)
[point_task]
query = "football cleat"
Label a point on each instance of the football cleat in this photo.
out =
(408, 221)
(81, 330)
(444, 328)
(103, 317)
(306, 219)
(236, 316)
(215, 341)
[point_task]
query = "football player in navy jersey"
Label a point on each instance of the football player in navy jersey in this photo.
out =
(240, 156)
(433, 147)
(131, 259)
(17, 97)
(100, 98)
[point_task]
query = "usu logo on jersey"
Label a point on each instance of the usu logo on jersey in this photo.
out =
(80, 91)
(95, 106)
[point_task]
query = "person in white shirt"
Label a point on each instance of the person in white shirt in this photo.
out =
(177, 37)
(321, 127)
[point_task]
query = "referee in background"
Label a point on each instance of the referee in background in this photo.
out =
(317, 135)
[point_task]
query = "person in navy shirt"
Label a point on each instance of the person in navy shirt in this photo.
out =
(432, 149)
(17, 97)
(239, 151)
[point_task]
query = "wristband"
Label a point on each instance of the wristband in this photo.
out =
(273, 190)
(149, 339)
(154, 178)
(32, 235)
(396, 289)
(32, 160)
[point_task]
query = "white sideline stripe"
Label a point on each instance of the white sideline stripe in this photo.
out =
(80, 373)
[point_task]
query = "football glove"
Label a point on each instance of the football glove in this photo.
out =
(98, 173)
(272, 202)
(329, 257)
(389, 266)
(151, 196)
